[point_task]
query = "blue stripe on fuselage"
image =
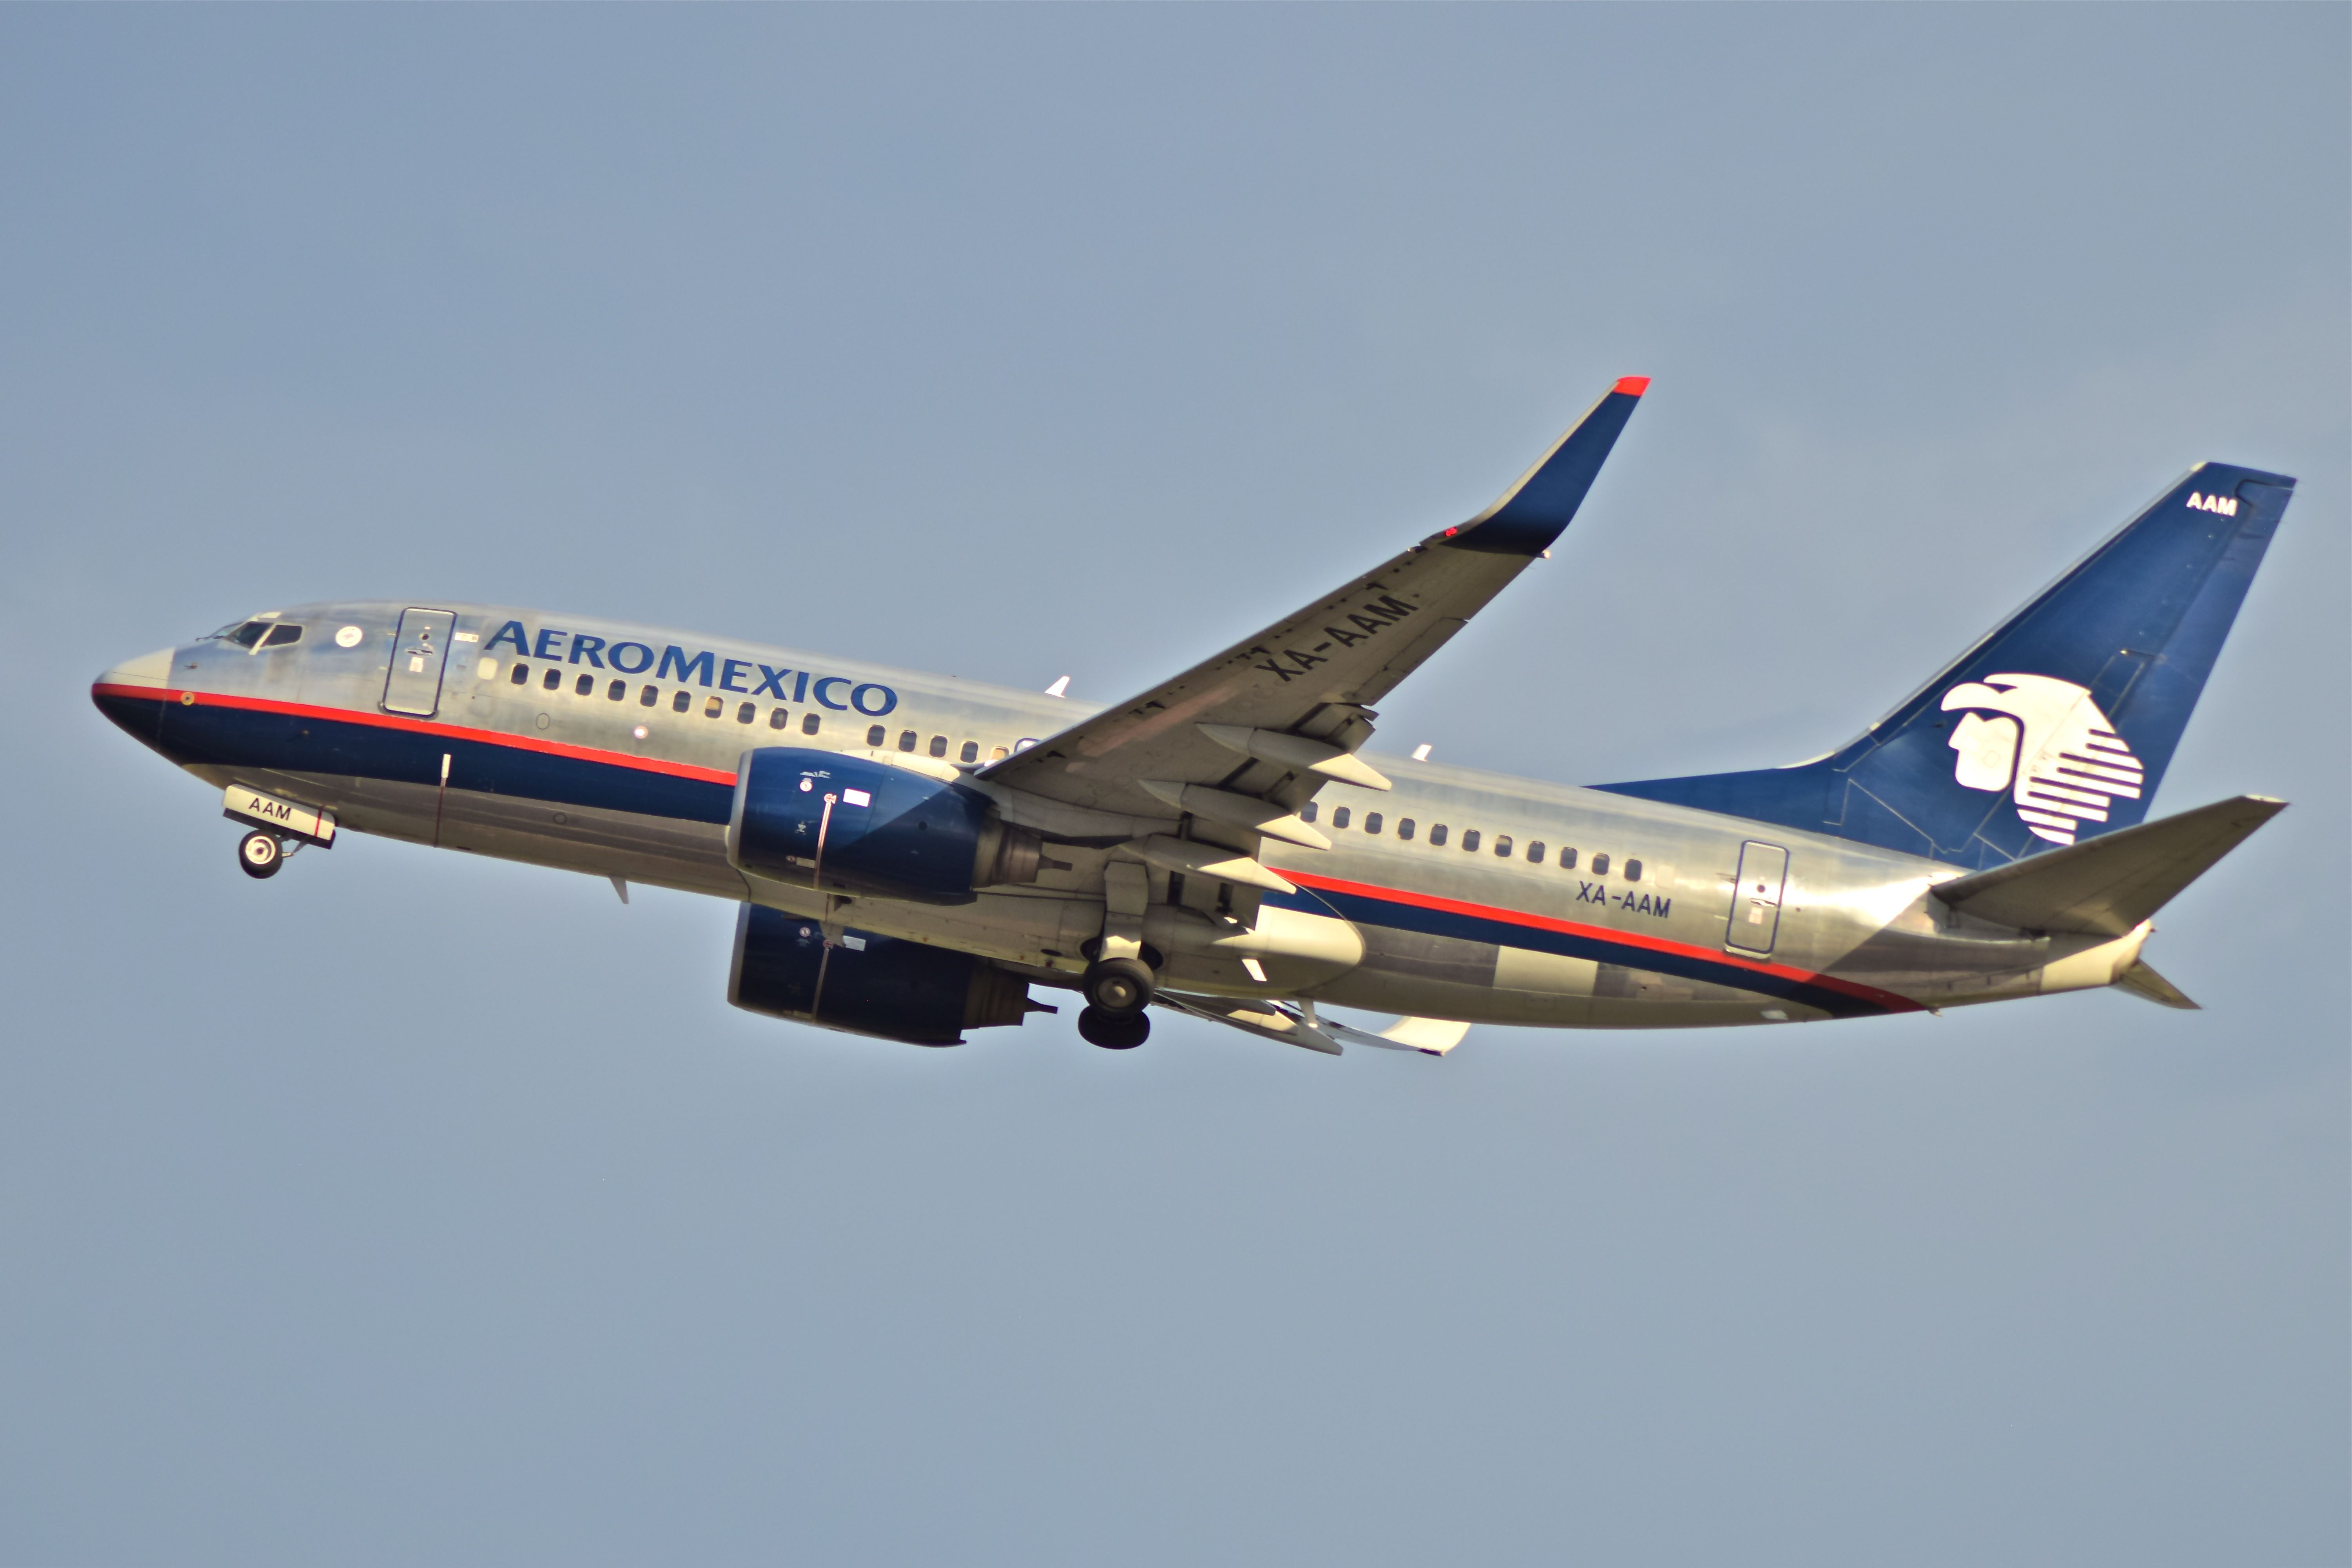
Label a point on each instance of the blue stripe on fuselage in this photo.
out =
(207, 734)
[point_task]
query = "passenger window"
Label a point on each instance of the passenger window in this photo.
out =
(1307, 813)
(905, 740)
(747, 711)
(521, 676)
(971, 752)
(1469, 838)
(682, 702)
(280, 634)
(1438, 833)
(778, 717)
(649, 696)
(997, 754)
(1404, 828)
(1568, 859)
(1632, 870)
(1339, 817)
(711, 707)
(1372, 821)
(615, 691)
(1535, 853)
(1601, 865)
(553, 678)
(584, 686)
(1503, 846)
(875, 737)
(938, 745)
(810, 720)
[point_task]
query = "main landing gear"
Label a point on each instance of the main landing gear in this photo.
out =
(260, 854)
(1117, 991)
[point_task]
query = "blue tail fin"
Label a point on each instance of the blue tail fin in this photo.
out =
(2056, 726)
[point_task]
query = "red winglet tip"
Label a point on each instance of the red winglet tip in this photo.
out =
(1632, 385)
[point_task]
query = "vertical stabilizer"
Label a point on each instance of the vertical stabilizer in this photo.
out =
(2057, 726)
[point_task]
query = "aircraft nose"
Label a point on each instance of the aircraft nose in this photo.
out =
(131, 693)
(149, 669)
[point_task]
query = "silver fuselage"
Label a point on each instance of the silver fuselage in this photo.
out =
(582, 763)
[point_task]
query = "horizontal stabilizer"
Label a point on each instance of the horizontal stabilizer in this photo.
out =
(2141, 980)
(2108, 885)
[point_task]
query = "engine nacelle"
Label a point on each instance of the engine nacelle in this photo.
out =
(866, 984)
(869, 827)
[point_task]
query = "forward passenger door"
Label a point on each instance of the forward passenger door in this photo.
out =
(419, 650)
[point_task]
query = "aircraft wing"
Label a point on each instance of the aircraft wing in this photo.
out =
(1272, 717)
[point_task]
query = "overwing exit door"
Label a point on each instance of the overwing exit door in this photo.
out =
(419, 649)
(1756, 898)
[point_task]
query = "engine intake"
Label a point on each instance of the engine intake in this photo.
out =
(868, 984)
(864, 826)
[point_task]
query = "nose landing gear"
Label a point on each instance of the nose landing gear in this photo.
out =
(260, 854)
(286, 826)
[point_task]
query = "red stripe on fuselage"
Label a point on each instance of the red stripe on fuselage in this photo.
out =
(423, 727)
(1871, 993)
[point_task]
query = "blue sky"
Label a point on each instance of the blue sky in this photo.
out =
(406, 1208)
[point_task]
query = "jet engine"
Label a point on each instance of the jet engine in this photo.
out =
(868, 984)
(855, 826)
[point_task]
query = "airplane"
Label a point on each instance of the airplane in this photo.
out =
(913, 854)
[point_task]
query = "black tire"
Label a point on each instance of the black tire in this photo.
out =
(1118, 985)
(260, 854)
(1113, 1031)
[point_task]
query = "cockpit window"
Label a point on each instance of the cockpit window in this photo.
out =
(246, 634)
(281, 634)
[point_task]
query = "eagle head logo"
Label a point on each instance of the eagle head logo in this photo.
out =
(2045, 741)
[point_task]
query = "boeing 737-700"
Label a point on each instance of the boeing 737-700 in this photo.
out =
(914, 855)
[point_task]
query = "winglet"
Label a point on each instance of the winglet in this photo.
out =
(1537, 510)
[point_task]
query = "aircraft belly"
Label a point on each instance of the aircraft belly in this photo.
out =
(1547, 974)
(1552, 991)
(658, 851)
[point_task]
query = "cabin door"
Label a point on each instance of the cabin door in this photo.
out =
(419, 649)
(1756, 898)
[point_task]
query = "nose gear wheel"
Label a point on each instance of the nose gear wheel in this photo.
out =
(260, 854)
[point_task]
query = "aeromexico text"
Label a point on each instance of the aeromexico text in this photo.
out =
(703, 667)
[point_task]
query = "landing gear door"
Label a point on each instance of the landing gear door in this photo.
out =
(1756, 898)
(419, 649)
